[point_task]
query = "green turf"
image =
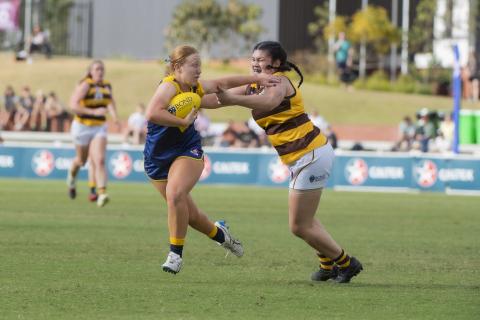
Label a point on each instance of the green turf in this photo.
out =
(63, 259)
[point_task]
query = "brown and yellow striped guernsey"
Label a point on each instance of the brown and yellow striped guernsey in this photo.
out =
(288, 127)
(99, 95)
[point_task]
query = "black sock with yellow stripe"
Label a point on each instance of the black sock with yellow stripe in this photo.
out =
(176, 245)
(343, 260)
(325, 262)
(217, 235)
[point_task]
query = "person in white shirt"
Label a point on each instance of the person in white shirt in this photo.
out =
(136, 125)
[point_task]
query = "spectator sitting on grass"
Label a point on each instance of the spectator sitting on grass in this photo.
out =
(22, 116)
(38, 118)
(58, 118)
(425, 131)
(406, 132)
(10, 101)
(136, 125)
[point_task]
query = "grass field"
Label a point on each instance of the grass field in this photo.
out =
(63, 259)
(135, 81)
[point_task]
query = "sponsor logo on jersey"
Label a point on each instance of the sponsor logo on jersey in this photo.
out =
(319, 178)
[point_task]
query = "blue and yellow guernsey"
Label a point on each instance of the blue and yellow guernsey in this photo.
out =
(99, 95)
(161, 141)
(288, 127)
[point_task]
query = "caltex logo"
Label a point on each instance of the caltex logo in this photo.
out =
(43, 163)
(356, 171)
(425, 173)
(120, 164)
(277, 171)
(207, 168)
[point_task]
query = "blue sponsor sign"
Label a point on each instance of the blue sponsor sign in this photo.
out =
(372, 171)
(461, 175)
(272, 172)
(425, 174)
(352, 170)
(223, 167)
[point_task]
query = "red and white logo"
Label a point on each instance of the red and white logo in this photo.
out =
(277, 171)
(207, 168)
(425, 173)
(120, 164)
(356, 171)
(43, 163)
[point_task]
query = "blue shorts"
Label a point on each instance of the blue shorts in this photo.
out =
(157, 168)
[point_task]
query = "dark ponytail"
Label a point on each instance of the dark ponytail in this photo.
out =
(297, 70)
(276, 52)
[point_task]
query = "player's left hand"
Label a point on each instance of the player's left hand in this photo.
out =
(223, 96)
(191, 117)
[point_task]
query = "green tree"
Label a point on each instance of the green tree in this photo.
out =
(373, 26)
(202, 23)
(242, 21)
(421, 34)
(335, 27)
(196, 22)
(316, 28)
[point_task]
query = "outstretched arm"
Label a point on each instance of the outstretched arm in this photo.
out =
(210, 86)
(210, 101)
(269, 99)
(112, 109)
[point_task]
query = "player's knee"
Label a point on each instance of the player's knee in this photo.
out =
(100, 161)
(176, 196)
(81, 161)
(297, 229)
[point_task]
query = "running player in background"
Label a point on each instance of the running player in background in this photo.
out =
(174, 159)
(280, 111)
(91, 101)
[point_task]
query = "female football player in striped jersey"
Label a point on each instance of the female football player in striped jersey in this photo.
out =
(280, 111)
(174, 157)
(91, 101)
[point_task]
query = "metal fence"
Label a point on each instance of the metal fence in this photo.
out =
(68, 24)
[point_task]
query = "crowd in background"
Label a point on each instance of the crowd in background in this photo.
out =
(430, 132)
(45, 112)
(29, 112)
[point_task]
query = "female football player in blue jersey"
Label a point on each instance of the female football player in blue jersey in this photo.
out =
(174, 158)
(280, 111)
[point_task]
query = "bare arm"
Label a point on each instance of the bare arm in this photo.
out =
(77, 96)
(157, 108)
(210, 101)
(112, 108)
(270, 98)
(210, 86)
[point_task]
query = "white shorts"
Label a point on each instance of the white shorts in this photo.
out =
(313, 169)
(83, 135)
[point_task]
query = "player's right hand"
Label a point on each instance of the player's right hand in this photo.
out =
(190, 118)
